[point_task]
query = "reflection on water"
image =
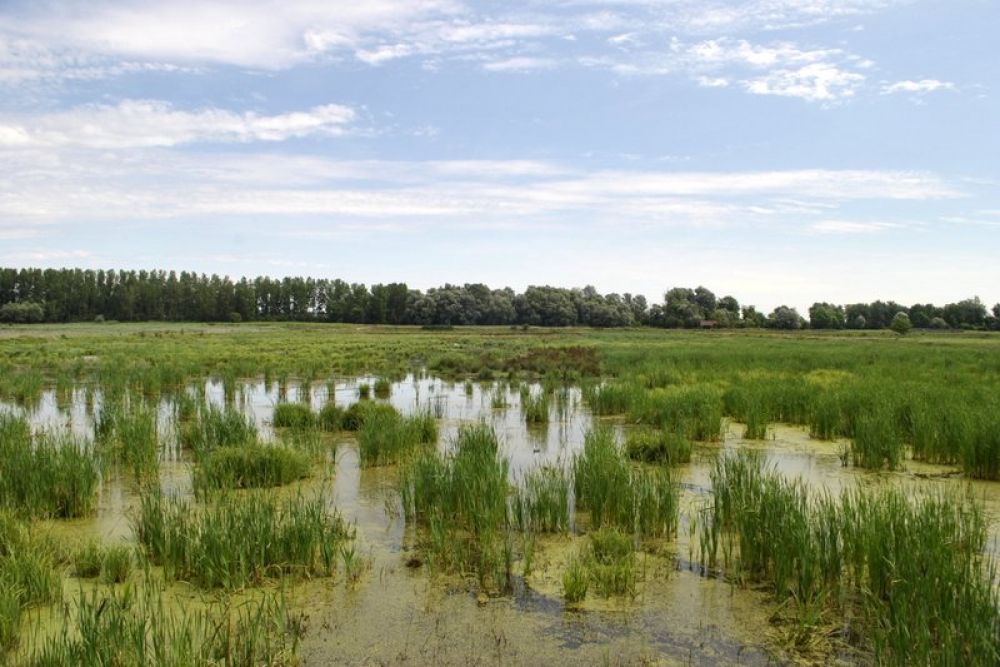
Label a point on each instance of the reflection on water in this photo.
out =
(396, 614)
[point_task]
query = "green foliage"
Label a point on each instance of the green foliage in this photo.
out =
(617, 495)
(330, 417)
(901, 323)
(358, 413)
(213, 428)
(382, 388)
(22, 312)
(461, 498)
(542, 501)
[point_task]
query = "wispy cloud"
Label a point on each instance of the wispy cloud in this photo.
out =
(921, 87)
(852, 227)
(143, 123)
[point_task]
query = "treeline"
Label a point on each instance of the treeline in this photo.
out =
(73, 295)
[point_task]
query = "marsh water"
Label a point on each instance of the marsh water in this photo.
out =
(401, 612)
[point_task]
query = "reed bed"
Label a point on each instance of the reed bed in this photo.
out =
(618, 495)
(461, 498)
(240, 540)
(136, 627)
(386, 437)
(293, 415)
(127, 436)
(250, 467)
(902, 578)
(541, 504)
(45, 475)
(651, 445)
(213, 427)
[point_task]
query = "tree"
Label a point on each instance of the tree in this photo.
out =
(753, 318)
(901, 323)
(826, 316)
(784, 317)
(24, 312)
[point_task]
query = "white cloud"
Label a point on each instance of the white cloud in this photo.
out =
(852, 227)
(712, 81)
(921, 87)
(143, 123)
(519, 64)
(821, 82)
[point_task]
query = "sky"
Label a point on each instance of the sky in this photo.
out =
(782, 151)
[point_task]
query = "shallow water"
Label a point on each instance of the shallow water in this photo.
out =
(395, 614)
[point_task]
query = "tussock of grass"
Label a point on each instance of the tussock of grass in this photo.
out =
(655, 446)
(250, 467)
(293, 415)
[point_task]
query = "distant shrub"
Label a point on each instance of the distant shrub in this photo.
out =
(22, 312)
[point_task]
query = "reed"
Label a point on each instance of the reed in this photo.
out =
(541, 504)
(250, 467)
(651, 445)
(46, 475)
(877, 442)
(214, 427)
(127, 436)
(536, 409)
(330, 417)
(240, 540)
(382, 388)
(387, 437)
(616, 495)
(134, 626)
(293, 415)
(461, 498)
(907, 574)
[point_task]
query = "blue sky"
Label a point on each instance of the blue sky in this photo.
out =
(783, 151)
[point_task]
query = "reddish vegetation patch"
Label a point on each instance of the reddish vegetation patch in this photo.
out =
(583, 360)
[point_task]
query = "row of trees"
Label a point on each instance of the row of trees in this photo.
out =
(67, 295)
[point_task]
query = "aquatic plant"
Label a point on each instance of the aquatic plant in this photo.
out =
(653, 445)
(293, 415)
(46, 475)
(240, 540)
(250, 466)
(127, 436)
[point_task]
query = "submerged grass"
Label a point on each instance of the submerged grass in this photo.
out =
(135, 627)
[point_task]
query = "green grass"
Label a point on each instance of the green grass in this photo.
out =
(907, 574)
(213, 427)
(28, 577)
(45, 475)
(250, 467)
(536, 408)
(541, 503)
(133, 627)
(651, 445)
(240, 540)
(293, 415)
(386, 437)
(127, 436)
(382, 388)
(618, 495)
(461, 499)
(330, 417)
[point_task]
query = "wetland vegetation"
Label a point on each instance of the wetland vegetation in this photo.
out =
(174, 494)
